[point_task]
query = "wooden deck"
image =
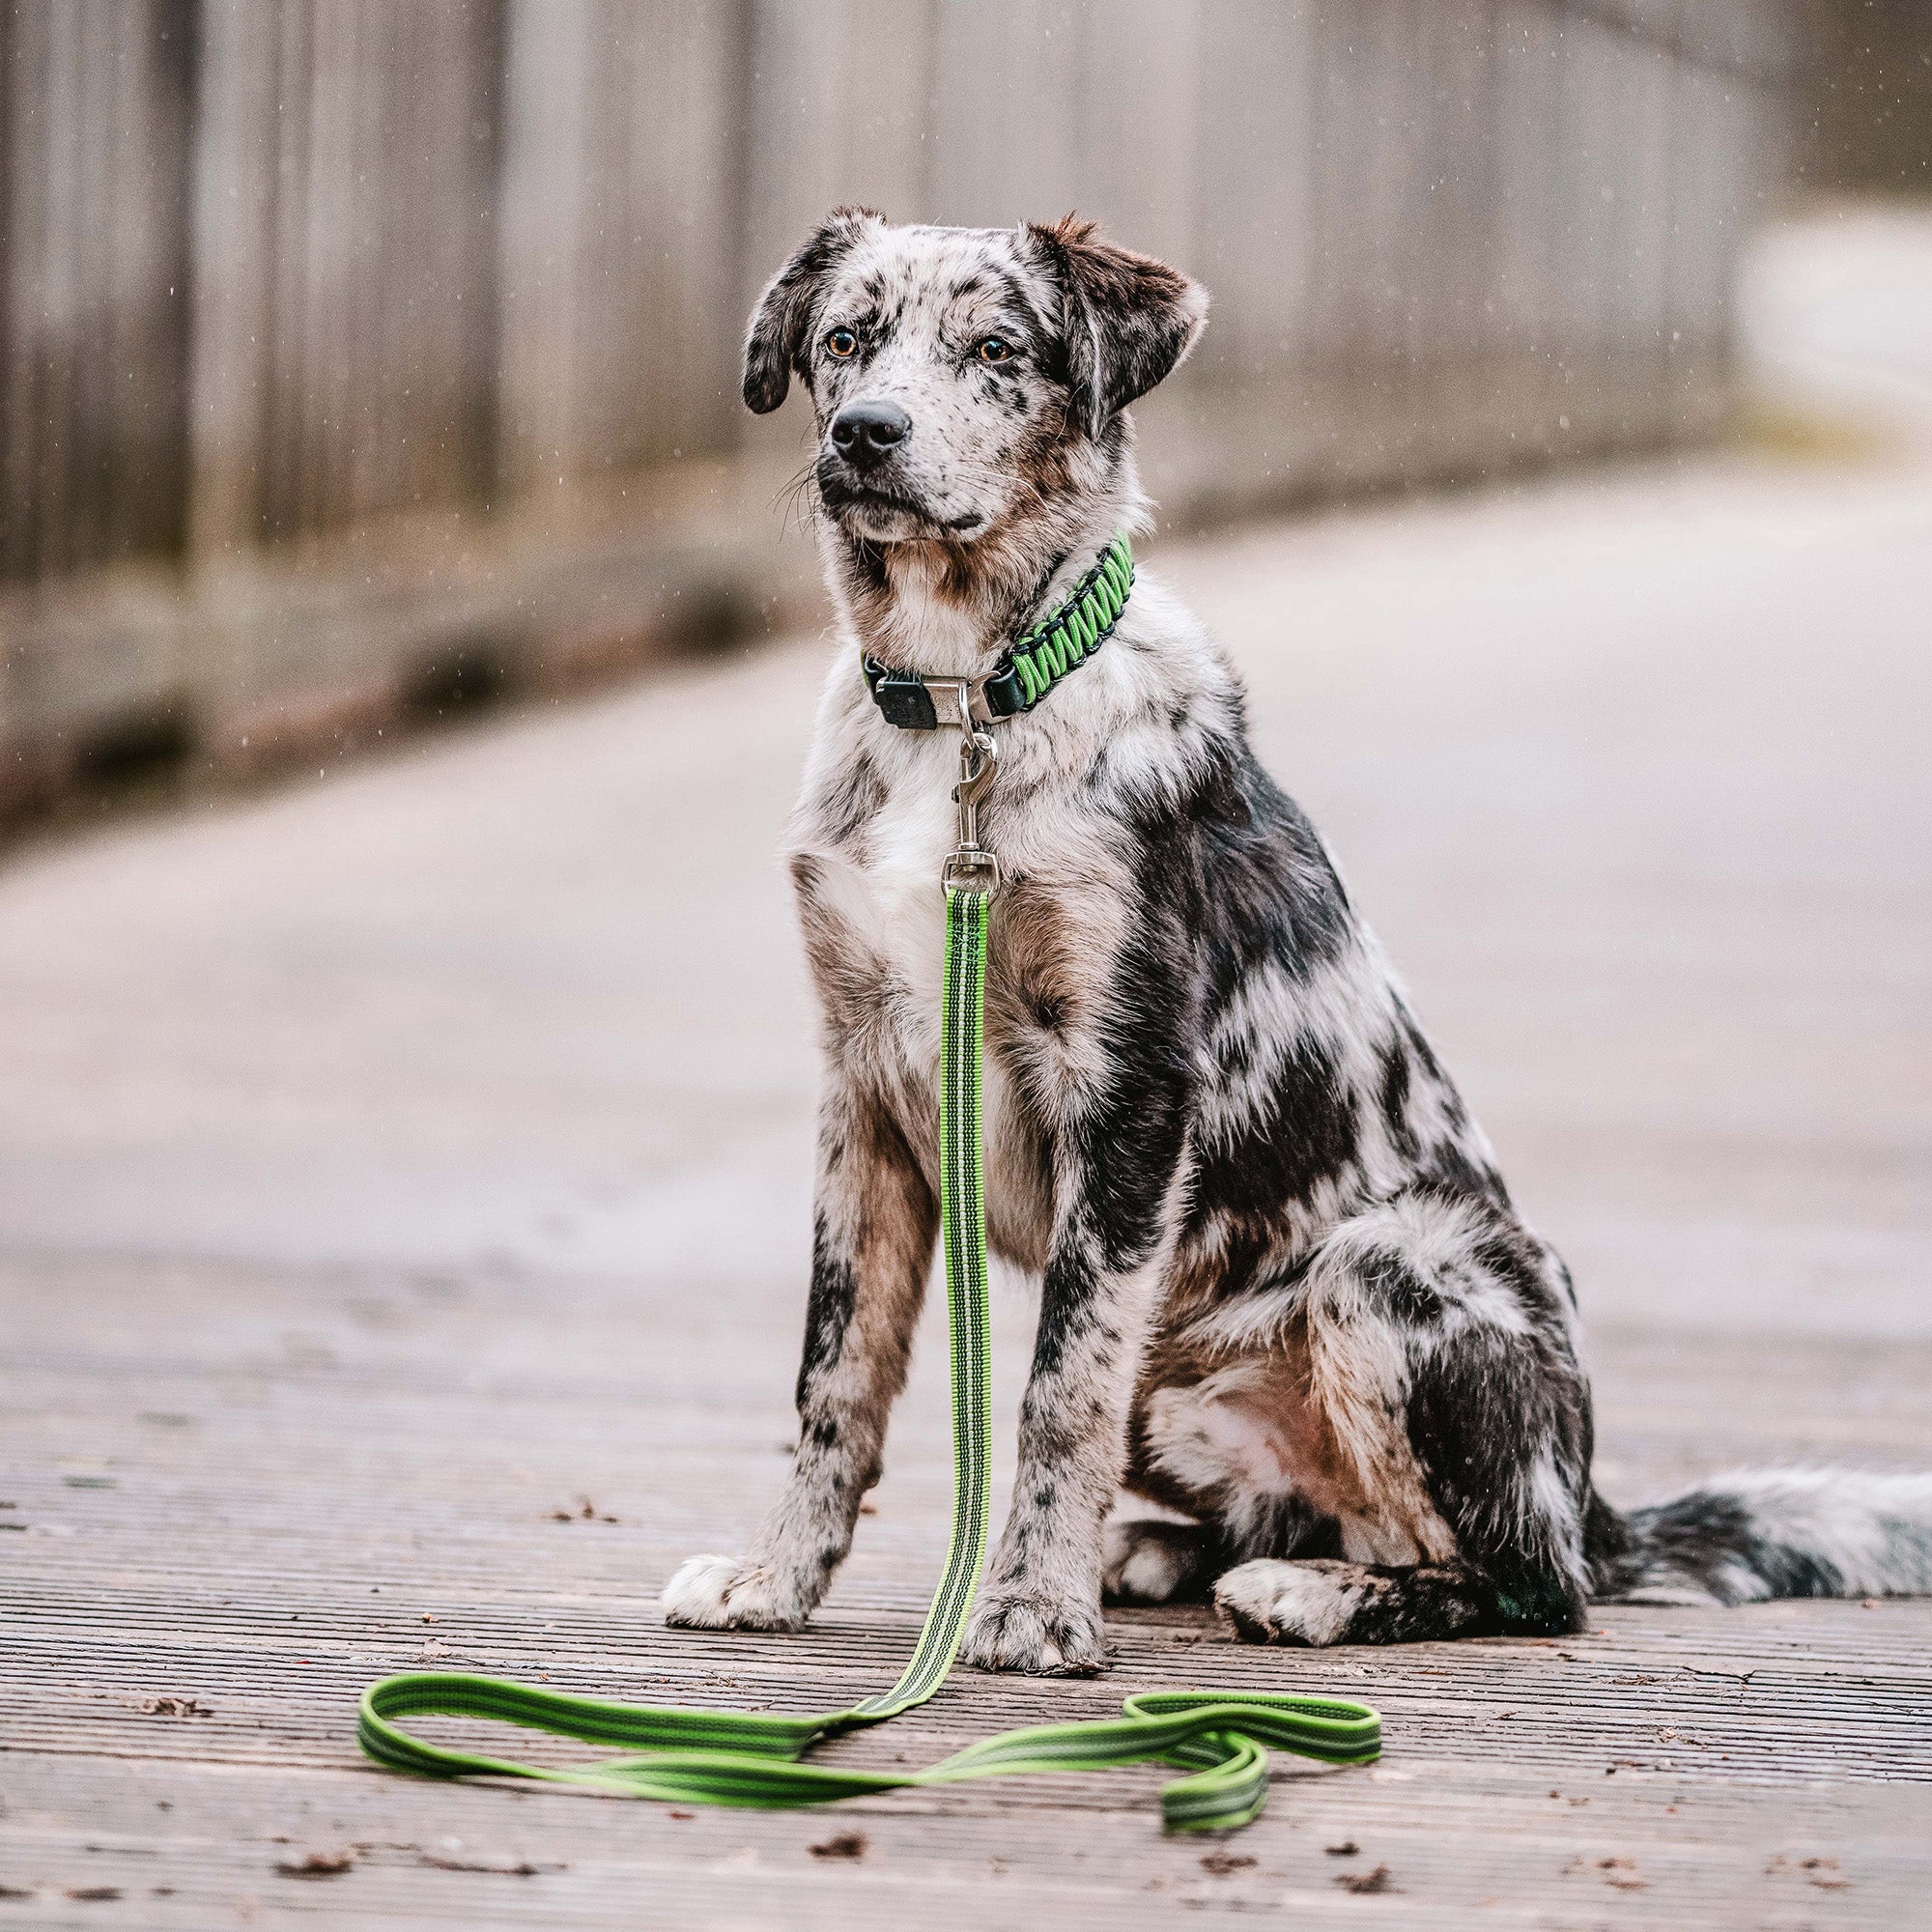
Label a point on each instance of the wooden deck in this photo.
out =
(402, 1212)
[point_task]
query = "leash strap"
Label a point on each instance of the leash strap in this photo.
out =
(723, 1757)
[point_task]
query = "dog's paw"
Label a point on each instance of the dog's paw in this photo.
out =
(1014, 1631)
(1152, 1562)
(1273, 1601)
(724, 1593)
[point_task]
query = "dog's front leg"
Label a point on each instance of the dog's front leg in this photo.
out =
(873, 1235)
(1039, 1607)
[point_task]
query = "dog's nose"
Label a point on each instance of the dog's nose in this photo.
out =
(866, 434)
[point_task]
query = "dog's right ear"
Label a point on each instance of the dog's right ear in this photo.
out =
(776, 344)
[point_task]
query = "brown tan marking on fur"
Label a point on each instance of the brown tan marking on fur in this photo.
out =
(995, 579)
(1277, 1392)
(892, 1222)
(1050, 948)
(1358, 1378)
(1318, 1406)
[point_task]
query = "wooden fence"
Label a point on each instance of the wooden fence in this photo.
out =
(356, 350)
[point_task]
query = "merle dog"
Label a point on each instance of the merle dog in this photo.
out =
(1284, 1290)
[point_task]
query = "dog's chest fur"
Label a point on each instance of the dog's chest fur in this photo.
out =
(872, 831)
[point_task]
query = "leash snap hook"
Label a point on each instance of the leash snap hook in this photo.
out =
(969, 865)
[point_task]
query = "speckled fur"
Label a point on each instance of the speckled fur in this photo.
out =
(1283, 1288)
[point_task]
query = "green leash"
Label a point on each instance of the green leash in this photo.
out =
(724, 1757)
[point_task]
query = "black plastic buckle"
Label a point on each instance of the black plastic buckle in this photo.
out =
(905, 701)
(1003, 691)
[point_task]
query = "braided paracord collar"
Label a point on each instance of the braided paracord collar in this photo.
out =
(1062, 640)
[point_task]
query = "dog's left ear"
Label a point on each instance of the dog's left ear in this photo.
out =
(1129, 318)
(776, 345)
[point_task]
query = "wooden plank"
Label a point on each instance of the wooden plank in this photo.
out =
(261, 1538)
(500, 250)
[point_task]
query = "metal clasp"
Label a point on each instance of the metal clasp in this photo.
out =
(970, 863)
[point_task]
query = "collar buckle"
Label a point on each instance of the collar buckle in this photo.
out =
(916, 702)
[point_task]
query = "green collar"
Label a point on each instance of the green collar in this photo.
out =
(1029, 668)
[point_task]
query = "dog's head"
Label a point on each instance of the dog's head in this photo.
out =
(964, 378)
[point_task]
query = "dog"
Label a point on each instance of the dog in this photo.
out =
(1284, 1291)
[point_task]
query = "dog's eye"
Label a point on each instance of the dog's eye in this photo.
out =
(995, 349)
(841, 342)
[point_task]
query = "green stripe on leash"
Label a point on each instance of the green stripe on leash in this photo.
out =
(1220, 1739)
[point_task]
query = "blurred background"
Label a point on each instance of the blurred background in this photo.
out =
(1554, 466)
(359, 361)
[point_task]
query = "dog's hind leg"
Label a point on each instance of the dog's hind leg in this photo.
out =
(1455, 1435)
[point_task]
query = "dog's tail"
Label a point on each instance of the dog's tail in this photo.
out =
(1743, 1538)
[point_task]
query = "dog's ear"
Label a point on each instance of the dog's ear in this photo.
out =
(1127, 318)
(776, 344)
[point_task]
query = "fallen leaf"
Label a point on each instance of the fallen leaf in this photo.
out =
(1346, 1849)
(846, 1845)
(317, 1865)
(1221, 1864)
(1377, 1880)
(176, 1707)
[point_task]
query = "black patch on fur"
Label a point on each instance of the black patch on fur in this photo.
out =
(783, 322)
(866, 562)
(857, 799)
(1394, 1098)
(1266, 899)
(1302, 1132)
(1475, 1455)
(1129, 1141)
(1197, 1550)
(1700, 1536)
(1450, 1170)
(1288, 1528)
(1607, 1536)
(1400, 1291)
(827, 1310)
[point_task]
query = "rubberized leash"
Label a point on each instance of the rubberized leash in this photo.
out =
(753, 1758)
